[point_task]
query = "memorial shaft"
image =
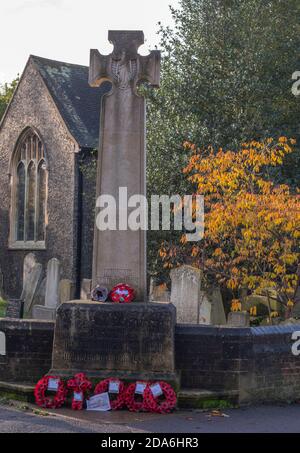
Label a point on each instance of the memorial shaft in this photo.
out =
(120, 255)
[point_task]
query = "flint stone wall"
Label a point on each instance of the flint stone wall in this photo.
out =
(256, 362)
(28, 350)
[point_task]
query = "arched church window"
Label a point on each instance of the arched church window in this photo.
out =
(29, 192)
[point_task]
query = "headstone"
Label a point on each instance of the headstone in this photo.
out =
(238, 319)
(2, 343)
(120, 255)
(14, 308)
(48, 311)
(185, 294)
(52, 285)
(218, 317)
(205, 309)
(66, 290)
(159, 293)
(103, 339)
(296, 307)
(43, 313)
(40, 295)
(32, 279)
(86, 289)
(1, 284)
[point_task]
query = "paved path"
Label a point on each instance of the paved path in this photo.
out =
(265, 419)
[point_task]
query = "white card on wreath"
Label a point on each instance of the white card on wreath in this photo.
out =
(99, 402)
(78, 396)
(140, 388)
(53, 384)
(114, 387)
(156, 390)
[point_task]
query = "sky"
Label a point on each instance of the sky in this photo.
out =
(66, 30)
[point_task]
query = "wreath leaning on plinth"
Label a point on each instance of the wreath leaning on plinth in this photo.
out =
(162, 403)
(135, 401)
(42, 387)
(79, 385)
(104, 387)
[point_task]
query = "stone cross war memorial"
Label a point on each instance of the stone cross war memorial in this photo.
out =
(133, 340)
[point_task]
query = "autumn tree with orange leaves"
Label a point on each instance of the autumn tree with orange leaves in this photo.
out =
(252, 227)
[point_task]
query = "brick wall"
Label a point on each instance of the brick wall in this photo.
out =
(28, 350)
(256, 362)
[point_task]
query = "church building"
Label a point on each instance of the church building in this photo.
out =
(48, 147)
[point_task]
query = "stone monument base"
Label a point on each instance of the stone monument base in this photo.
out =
(130, 341)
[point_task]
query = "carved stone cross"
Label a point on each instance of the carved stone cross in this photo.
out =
(120, 256)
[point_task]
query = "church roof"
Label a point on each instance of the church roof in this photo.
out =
(77, 102)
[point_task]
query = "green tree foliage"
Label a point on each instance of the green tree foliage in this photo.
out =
(226, 78)
(6, 92)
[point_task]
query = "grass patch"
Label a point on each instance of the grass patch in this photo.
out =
(2, 308)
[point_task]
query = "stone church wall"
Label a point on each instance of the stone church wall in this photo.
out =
(32, 106)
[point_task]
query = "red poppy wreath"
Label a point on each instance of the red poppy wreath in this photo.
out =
(79, 385)
(134, 398)
(113, 387)
(50, 383)
(153, 398)
(122, 293)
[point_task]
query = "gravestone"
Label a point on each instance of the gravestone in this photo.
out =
(159, 293)
(32, 276)
(86, 289)
(296, 307)
(48, 311)
(1, 284)
(40, 295)
(185, 294)
(218, 317)
(238, 319)
(120, 256)
(205, 309)
(14, 308)
(66, 291)
(133, 341)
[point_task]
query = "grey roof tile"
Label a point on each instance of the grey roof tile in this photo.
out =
(77, 102)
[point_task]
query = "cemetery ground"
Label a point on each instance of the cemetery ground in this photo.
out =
(25, 418)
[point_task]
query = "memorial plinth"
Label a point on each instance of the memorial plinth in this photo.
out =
(130, 341)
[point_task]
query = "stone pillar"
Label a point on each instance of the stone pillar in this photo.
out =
(120, 256)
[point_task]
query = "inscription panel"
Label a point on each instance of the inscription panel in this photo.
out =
(135, 337)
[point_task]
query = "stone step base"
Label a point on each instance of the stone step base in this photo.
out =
(17, 391)
(187, 398)
(206, 399)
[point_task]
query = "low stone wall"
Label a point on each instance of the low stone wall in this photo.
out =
(257, 362)
(28, 349)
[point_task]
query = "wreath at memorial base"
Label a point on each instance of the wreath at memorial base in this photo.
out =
(162, 404)
(79, 385)
(122, 293)
(134, 402)
(54, 402)
(103, 387)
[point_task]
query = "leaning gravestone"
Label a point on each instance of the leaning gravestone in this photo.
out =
(135, 340)
(185, 294)
(48, 311)
(32, 275)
